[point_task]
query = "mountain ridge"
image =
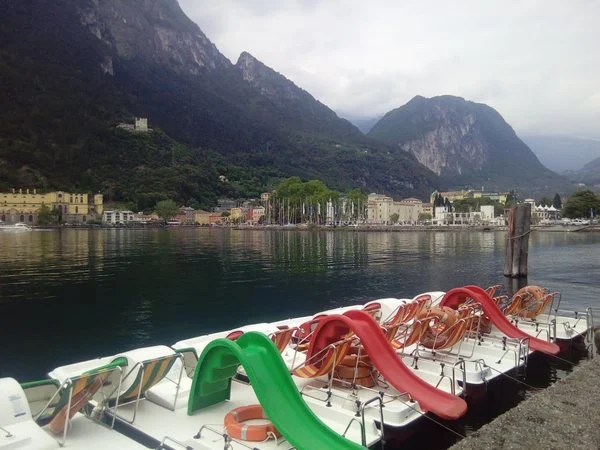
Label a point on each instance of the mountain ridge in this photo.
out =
(464, 142)
(563, 153)
(74, 71)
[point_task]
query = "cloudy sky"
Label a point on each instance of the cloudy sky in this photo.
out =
(536, 62)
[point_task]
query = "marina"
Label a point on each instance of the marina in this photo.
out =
(159, 411)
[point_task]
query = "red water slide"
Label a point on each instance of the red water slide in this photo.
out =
(333, 327)
(457, 296)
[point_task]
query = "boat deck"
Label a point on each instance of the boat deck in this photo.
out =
(158, 422)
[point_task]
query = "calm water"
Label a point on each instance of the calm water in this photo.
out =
(70, 295)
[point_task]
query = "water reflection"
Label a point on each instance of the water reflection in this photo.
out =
(91, 292)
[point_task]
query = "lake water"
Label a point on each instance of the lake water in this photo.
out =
(74, 294)
(71, 295)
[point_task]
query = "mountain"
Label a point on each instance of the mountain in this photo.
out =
(465, 143)
(72, 71)
(563, 153)
(589, 174)
(364, 124)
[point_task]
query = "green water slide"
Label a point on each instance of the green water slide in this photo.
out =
(272, 384)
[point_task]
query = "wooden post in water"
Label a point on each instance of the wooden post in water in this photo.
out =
(517, 241)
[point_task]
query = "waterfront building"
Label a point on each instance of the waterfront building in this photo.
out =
(24, 206)
(202, 217)
(216, 219)
(485, 216)
(500, 197)
(253, 215)
(427, 208)
(408, 210)
(450, 195)
(236, 213)
(381, 208)
(118, 217)
(542, 212)
(185, 215)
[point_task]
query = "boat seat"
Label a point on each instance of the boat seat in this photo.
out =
(146, 368)
(166, 394)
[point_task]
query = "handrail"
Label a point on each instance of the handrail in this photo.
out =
(227, 440)
(174, 441)
(382, 426)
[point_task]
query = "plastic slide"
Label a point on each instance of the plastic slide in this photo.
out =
(457, 296)
(273, 385)
(387, 361)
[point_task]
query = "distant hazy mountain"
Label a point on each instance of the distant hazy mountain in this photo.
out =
(364, 124)
(466, 143)
(562, 153)
(590, 173)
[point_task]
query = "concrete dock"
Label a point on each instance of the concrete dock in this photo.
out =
(566, 415)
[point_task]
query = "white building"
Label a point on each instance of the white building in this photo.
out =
(117, 217)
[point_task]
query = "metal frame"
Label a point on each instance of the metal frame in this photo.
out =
(68, 384)
(139, 393)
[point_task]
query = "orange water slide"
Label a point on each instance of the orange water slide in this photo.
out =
(333, 327)
(457, 296)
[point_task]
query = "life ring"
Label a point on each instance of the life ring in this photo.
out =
(235, 427)
(532, 299)
(438, 321)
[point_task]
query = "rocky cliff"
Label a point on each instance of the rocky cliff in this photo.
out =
(157, 33)
(464, 143)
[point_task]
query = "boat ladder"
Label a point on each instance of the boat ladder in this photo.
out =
(360, 412)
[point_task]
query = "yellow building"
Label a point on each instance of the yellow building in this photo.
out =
(461, 195)
(450, 195)
(202, 217)
(236, 213)
(23, 206)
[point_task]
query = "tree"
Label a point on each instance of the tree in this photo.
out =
(166, 209)
(511, 199)
(581, 204)
(448, 205)
(394, 218)
(424, 217)
(557, 202)
(47, 216)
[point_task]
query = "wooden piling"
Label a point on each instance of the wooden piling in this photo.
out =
(517, 241)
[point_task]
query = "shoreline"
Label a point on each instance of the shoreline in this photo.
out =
(362, 228)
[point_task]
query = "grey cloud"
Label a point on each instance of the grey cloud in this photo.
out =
(536, 62)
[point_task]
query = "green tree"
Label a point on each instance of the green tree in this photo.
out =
(557, 202)
(581, 204)
(166, 209)
(545, 201)
(47, 216)
(394, 218)
(424, 217)
(511, 199)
